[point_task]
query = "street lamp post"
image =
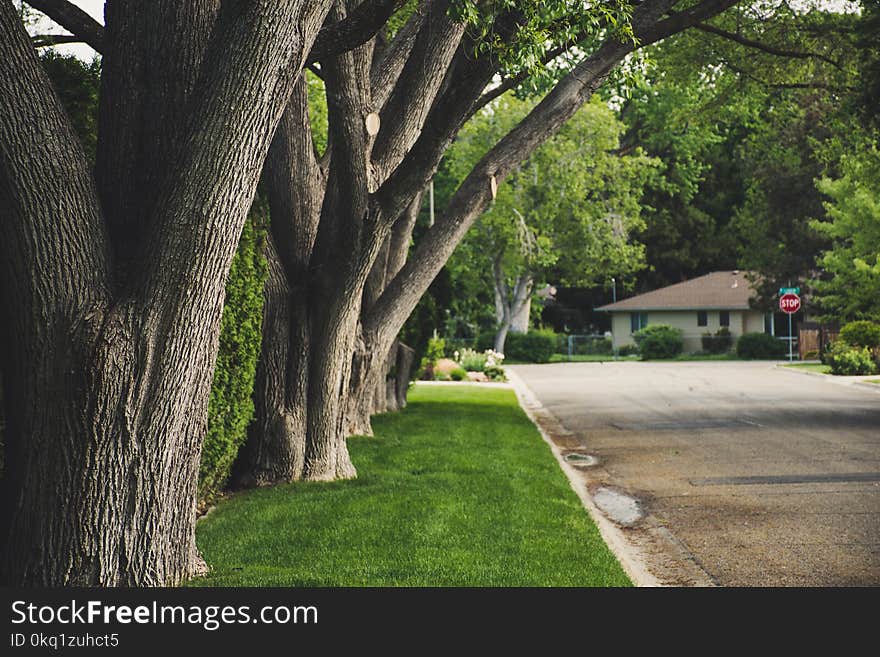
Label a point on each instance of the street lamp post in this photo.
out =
(613, 290)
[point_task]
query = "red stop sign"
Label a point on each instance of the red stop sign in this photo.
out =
(789, 303)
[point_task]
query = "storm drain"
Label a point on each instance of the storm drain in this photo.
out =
(621, 508)
(581, 460)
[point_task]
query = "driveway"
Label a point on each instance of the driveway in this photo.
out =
(747, 474)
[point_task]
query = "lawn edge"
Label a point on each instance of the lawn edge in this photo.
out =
(629, 556)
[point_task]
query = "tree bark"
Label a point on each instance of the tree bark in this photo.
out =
(112, 374)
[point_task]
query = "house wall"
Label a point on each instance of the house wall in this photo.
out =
(741, 321)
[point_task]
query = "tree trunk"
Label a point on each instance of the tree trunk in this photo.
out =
(520, 321)
(112, 372)
(275, 447)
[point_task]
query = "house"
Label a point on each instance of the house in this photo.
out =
(702, 305)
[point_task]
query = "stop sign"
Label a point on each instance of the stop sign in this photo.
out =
(789, 303)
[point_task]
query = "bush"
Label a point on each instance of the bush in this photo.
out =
(628, 350)
(532, 347)
(719, 343)
(495, 373)
(861, 334)
(759, 345)
(458, 374)
(659, 341)
(231, 408)
(472, 361)
(848, 360)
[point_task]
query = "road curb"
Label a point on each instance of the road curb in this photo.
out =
(630, 557)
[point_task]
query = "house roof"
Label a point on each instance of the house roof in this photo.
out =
(720, 290)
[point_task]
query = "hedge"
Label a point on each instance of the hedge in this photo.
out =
(533, 347)
(759, 345)
(231, 407)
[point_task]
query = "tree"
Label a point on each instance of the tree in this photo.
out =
(564, 217)
(850, 286)
(113, 282)
(342, 223)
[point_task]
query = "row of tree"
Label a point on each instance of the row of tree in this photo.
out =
(113, 276)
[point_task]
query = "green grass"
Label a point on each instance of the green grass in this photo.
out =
(811, 367)
(877, 381)
(457, 490)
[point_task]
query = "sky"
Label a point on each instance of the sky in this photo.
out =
(93, 7)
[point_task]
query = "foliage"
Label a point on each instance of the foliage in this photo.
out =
(532, 347)
(659, 341)
(472, 360)
(77, 85)
(495, 373)
(628, 350)
(861, 334)
(458, 490)
(458, 374)
(231, 407)
(718, 343)
(848, 360)
(759, 345)
(850, 286)
(565, 215)
(742, 141)
(435, 351)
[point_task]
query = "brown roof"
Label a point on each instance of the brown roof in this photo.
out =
(720, 290)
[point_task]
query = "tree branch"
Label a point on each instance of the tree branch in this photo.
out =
(46, 40)
(417, 87)
(770, 50)
(354, 30)
(73, 19)
(476, 192)
(387, 68)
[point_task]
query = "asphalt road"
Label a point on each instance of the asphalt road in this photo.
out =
(757, 476)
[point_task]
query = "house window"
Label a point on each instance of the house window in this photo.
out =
(637, 321)
(724, 318)
(769, 329)
(702, 318)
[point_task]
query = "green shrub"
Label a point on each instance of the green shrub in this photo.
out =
(472, 361)
(435, 350)
(718, 343)
(495, 373)
(848, 360)
(628, 350)
(861, 334)
(532, 347)
(458, 374)
(659, 341)
(759, 345)
(231, 407)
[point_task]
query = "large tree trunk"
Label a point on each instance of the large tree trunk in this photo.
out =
(275, 446)
(112, 368)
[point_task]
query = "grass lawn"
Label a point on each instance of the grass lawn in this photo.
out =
(811, 367)
(457, 490)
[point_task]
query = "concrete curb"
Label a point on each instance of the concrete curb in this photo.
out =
(838, 380)
(629, 556)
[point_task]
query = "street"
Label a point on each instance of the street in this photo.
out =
(746, 474)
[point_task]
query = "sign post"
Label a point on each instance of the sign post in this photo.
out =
(789, 303)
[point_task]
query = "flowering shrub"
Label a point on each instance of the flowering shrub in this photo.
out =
(471, 360)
